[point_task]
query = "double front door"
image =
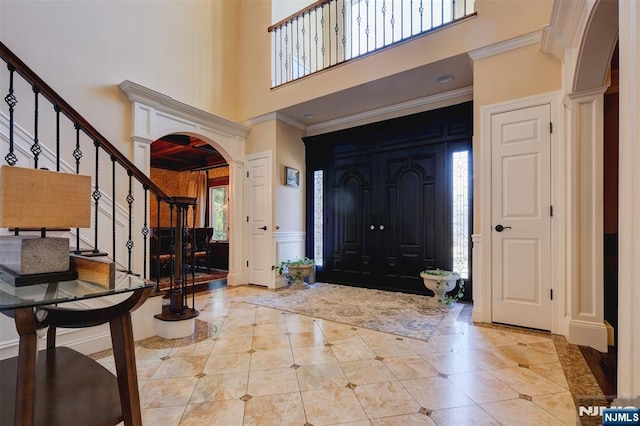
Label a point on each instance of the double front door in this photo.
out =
(388, 217)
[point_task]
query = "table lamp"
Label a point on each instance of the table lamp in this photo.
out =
(32, 199)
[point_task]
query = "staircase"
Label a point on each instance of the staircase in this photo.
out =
(39, 129)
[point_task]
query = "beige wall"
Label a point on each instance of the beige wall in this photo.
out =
(507, 76)
(84, 49)
(497, 20)
(290, 153)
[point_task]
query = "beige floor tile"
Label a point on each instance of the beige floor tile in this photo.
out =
(369, 371)
(552, 371)
(306, 339)
(451, 362)
(487, 359)
(321, 376)
(228, 363)
(200, 348)
(391, 348)
(217, 387)
(313, 355)
(482, 387)
(167, 392)
(359, 351)
(229, 330)
(271, 341)
(525, 381)
(227, 413)
(146, 368)
(273, 382)
(301, 324)
(269, 359)
(406, 420)
(520, 412)
(436, 393)
(342, 336)
(180, 367)
(410, 367)
(471, 415)
(386, 399)
(265, 329)
(283, 409)
(530, 354)
(165, 416)
(232, 344)
(560, 405)
(343, 403)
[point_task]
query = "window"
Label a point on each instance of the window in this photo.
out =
(219, 202)
(460, 222)
(317, 216)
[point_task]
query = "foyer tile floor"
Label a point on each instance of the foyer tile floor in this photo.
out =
(251, 365)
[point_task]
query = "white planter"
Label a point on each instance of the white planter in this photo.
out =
(439, 285)
(299, 272)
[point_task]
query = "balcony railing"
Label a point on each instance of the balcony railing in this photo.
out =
(330, 32)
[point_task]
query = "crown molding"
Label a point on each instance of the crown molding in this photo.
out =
(567, 17)
(140, 94)
(422, 103)
(274, 116)
(505, 46)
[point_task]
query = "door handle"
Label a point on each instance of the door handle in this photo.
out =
(264, 228)
(501, 228)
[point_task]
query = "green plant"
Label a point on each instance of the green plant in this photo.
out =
(289, 270)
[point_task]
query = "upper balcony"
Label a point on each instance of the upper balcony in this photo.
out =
(330, 32)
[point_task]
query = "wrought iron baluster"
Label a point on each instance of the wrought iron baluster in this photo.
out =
(322, 34)
(157, 237)
(77, 154)
(130, 200)
(366, 28)
(145, 233)
(384, 26)
(304, 54)
(12, 101)
(421, 10)
(344, 32)
(96, 198)
(35, 149)
(113, 206)
(329, 28)
(56, 108)
(172, 247)
(336, 30)
(193, 259)
(286, 53)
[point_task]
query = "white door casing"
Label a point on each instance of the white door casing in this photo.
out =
(259, 218)
(521, 202)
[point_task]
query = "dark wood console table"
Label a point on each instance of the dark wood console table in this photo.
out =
(57, 385)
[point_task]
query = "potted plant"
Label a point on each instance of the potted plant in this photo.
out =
(295, 270)
(440, 282)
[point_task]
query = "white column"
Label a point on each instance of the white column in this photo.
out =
(237, 228)
(585, 219)
(629, 204)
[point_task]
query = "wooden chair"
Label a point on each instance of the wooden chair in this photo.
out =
(200, 240)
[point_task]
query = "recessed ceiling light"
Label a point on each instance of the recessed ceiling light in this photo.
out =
(309, 115)
(445, 78)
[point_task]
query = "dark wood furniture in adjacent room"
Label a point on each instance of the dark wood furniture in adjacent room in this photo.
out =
(57, 385)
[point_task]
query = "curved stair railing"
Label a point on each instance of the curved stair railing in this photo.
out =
(121, 181)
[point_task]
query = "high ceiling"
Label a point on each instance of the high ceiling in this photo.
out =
(183, 153)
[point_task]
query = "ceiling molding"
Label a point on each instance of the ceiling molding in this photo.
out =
(138, 93)
(567, 17)
(422, 103)
(275, 116)
(506, 46)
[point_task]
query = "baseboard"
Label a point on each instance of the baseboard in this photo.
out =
(477, 315)
(588, 334)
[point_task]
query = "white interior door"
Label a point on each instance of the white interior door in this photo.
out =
(521, 217)
(259, 220)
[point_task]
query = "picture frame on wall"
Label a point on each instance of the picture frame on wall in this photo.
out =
(291, 177)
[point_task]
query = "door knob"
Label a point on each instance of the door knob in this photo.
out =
(381, 227)
(501, 228)
(371, 227)
(264, 228)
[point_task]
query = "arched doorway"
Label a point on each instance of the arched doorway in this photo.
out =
(156, 115)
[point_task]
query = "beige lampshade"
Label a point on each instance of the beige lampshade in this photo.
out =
(32, 198)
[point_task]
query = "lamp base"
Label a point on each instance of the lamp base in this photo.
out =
(18, 280)
(30, 254)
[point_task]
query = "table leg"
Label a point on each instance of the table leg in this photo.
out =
(124, 355)
(26, 375)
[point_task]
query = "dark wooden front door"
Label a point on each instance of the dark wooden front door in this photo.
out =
(387, 199)
(388, 218)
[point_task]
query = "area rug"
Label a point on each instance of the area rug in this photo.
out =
(200, 277)
(403, 314)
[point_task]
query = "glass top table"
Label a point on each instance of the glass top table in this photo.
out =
(36, 389)
(65, 291)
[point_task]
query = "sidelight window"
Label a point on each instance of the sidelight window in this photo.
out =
(317, 216)
(460, 209)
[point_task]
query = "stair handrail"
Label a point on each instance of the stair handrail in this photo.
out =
(29, 75)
